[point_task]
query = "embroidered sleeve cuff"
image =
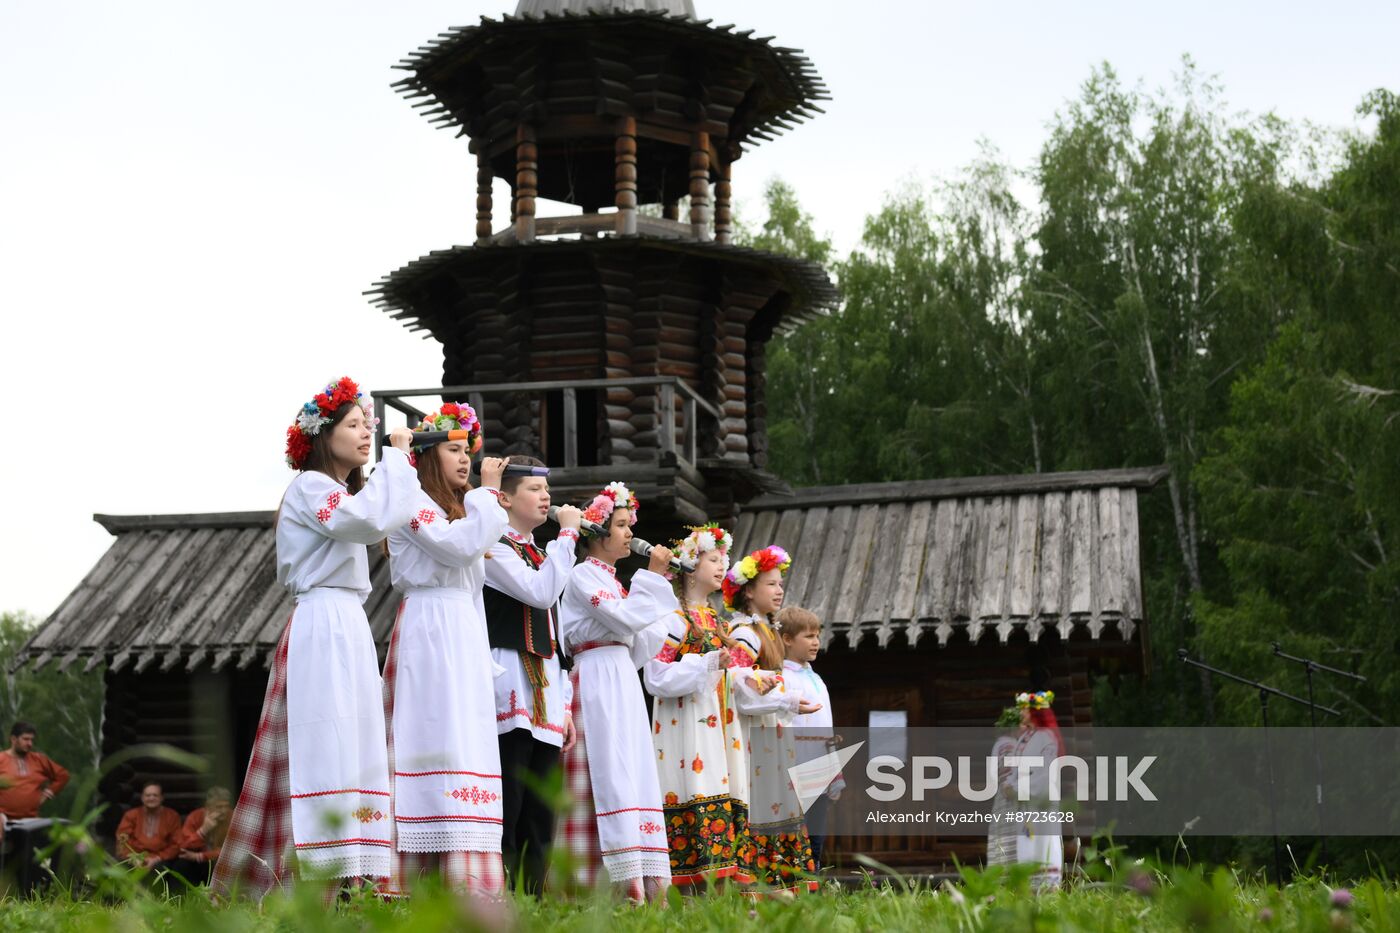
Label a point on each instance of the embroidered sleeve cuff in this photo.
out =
(569, 533)
(493, 491)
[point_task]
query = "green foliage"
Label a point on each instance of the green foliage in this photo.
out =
(66, 707)
(997, 899)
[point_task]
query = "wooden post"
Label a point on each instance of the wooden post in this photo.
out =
(723, 220)
(700, 185)
(668, 412)
(570, 427)
(690, 409)
(483, 198)
(625, 176)
(526, 154)
(671, 210)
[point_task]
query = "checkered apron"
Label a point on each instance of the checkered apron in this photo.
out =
(578, 829)
(480, 874)
(256, 856)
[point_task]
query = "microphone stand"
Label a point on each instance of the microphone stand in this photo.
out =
(1309, 665)
(1265, 691)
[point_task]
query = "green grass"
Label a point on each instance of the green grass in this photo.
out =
(1184, 898)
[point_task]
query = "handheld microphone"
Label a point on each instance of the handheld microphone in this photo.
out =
(636, 546)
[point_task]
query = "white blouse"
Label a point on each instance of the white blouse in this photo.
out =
(430, 551)
(322, 530)
(749, 701)
(595, 608)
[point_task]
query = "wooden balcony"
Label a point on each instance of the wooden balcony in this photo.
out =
(564, 423)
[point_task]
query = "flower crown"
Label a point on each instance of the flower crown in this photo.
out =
(702, 538)
(1041, 700)
(745, 570)
(453, 416)
(318, 412)
(613, 495)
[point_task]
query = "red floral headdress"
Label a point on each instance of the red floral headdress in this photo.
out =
(318, 412)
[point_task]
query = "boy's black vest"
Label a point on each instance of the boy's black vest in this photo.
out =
(515, 626)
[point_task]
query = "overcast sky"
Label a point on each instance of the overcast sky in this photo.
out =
(194, 195)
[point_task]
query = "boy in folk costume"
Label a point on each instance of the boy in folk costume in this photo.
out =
(782, 850)
(1039, 843)
(317, 786)
(610, 633)
(700, 759)
(523, 585)
(801, 632)
(438, 700)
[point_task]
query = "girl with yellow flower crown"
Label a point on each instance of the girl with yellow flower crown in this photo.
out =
(700, 758)
(438, 697)
(782, 850)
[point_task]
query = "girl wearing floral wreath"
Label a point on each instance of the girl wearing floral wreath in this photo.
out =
(782, 850)
(439, 704)
(611, 632)
(699, 748)
(1040, 842)
(316, 796)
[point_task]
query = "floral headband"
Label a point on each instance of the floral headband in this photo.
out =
(1041, 700)
(613, 496)
(318, 413)
(453, 416)
(758, 562)
(704, 538)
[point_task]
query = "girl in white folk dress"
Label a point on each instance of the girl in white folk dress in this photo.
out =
(610, 632)
(782, 850)
(316, 795)
(439, 703)
(1038, 842)
(700, 759)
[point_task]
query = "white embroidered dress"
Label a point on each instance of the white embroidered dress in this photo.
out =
(337, 762)
(772, 799)
(447, 767)
(611, 633)
(505, 571)
(1040, 842)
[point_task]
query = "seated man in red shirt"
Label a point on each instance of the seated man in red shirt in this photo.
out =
(149, 834)
(202, 837)
(28, 779)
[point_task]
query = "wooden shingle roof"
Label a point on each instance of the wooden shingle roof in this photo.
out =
(996, 553)
(980, 555)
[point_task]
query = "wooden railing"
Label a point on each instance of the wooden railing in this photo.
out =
(593, 225)
(677, 438)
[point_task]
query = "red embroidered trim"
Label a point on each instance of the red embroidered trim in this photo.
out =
(649, 827)
(601, 595)
(424, 517)
(630, 810)
(474, 795)
(568, 533)
(367, 814)
(429, 773)
(342, 842)
(352, 790)
(668, 653)
(448, 818)
(612, 571)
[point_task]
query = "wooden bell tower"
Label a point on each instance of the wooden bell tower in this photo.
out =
(624, 341)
